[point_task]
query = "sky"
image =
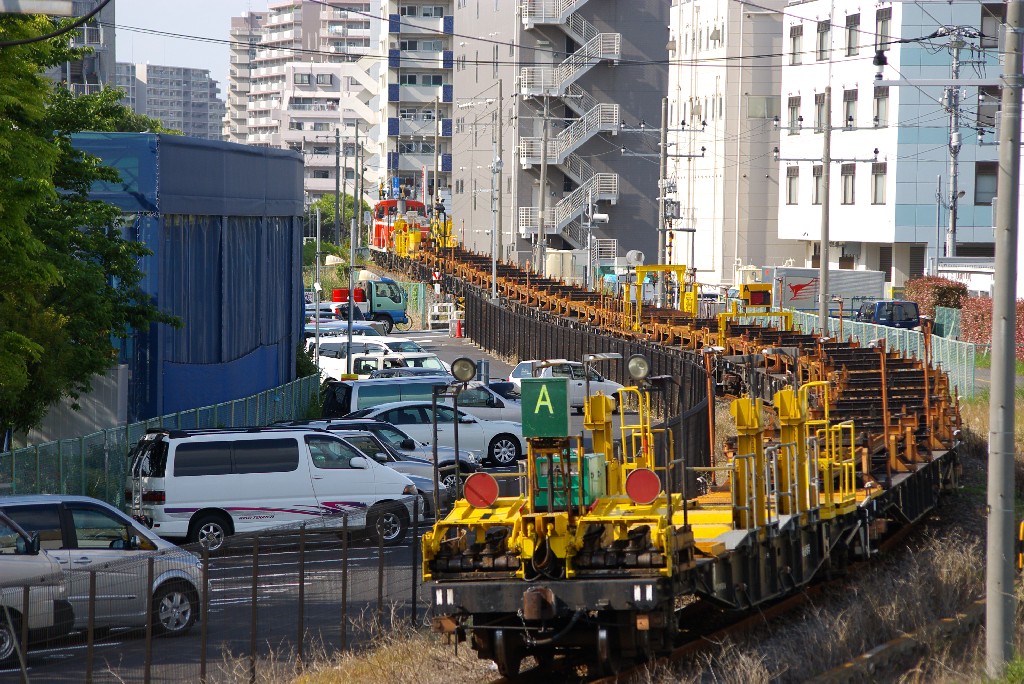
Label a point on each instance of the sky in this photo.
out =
(207, 18)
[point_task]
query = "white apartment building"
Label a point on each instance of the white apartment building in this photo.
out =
(95, 70)
(302, 72)
(416, 101)
(884, 211)
(723, 97)
(183, 99)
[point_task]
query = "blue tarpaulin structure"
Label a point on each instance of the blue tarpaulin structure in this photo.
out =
(224, 223)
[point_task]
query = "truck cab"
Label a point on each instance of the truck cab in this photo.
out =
(380, 300)
(895, 313)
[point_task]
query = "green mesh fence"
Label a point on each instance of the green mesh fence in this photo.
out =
(97, 464)
(952, 356)
(947, 322)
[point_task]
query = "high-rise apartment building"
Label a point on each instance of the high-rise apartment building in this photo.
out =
(891, 210)
(593, 71)
(416, 96)
(183, 99)
(723, 100)
(302, 71)
(95, 70)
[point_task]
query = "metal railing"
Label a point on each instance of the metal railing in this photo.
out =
(956, 358)
(548, 11)
(603, 117)
(554, 80)
(572, 206)
(97, 464)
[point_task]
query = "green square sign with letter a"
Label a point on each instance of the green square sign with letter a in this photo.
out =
(545, 407)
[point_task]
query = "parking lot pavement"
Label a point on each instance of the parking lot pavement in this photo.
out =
(450, 348)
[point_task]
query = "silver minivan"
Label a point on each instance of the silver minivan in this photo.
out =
(23, 564)
(86, 535)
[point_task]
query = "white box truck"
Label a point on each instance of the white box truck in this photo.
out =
(797, 288)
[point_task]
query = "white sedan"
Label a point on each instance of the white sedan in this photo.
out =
(500, 441)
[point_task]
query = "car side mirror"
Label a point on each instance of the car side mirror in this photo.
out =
(380, 457)
(408, 444)
(359, 462)
(29, 546)
(467, 419)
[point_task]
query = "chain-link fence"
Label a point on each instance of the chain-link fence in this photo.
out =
(947, 322)
(956, 358)
(96, 464)
(261, 603)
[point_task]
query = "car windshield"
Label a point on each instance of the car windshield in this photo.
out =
(431, 362)
(405, 346)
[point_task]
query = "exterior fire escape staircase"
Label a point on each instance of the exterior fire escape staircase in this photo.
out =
(565, 218)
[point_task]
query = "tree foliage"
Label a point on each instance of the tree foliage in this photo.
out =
(325, 203)
(70, 284)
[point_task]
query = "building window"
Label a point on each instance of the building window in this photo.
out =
(985, 174)
(819, 112)
(852, 34)
(324, 79)
(792, 184)
(883, 22)
(880, 108)
(849, 108)
(818, 189)
(794, 115)
(303, 79)
(408, 79)
(295, 125)
(878, 183)
(993, 16)
(848, 171)
(824, 40)
(435, 11)
(408, 10)
(494, 61)
(989, 103)
(321, 149)
(796, 43)
(320, 173)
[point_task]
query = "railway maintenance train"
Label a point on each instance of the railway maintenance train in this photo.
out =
(603, 548)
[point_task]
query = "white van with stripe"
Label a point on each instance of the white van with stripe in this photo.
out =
(205, 485)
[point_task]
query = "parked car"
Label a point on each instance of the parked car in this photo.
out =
(87, 535)
(890, 312)
(335, 329)
(506, 389)
(411, 372)
(397, 440)
(341, 397)
(500, 441)
(483, 402)
(204, 485)
(420, 471)
(23, 563)
(574, 372)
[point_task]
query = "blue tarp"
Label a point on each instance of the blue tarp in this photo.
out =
(224, 224)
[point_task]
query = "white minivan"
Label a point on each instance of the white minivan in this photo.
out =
(205, 485)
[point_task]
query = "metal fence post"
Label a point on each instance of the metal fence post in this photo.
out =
(148, 669)
(302, 590)
(344, 582)
(380, 579)
(415, 555)
(204, 627)
(254, 610)
(90, 635)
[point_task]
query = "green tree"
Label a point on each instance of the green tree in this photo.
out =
(72, 284)
(326, 205)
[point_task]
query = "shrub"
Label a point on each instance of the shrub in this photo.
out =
(932, 291)
(976, 323)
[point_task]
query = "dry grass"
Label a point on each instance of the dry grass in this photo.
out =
(391, 652)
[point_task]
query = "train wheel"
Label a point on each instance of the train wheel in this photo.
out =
(609, 661)
(508, 653)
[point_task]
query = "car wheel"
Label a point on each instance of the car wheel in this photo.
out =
(210, 530)
(449, 482)
(386, 322)
(9, 634)
(174, 609)
(404, 326)
(504, 450)
(389, 523)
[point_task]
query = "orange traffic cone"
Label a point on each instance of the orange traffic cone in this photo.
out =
(458, 327)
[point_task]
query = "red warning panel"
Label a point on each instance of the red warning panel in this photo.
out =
(480, 490)
(643, 486)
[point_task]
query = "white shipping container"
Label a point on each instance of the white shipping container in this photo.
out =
(797, 288)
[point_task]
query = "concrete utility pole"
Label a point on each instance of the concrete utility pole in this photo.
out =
(437, 155)
(662, 224)
(1000, 605)
(496, 165)
(542, 235)
(826, 162)
(344, 187)
(337, 186)
(352, 259)
(952, 102)
(501, 151)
